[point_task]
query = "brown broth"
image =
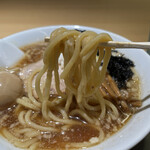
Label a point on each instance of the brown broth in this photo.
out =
(33, 53)
(76, 133)
(53, 140)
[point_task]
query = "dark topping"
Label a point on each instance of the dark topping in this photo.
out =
(80, 30)
(119, 68)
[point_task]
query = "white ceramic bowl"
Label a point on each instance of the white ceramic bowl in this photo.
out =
(139, 125)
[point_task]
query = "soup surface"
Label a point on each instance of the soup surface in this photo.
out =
(74, 136)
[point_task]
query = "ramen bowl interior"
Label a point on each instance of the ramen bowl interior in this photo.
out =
(139, 124)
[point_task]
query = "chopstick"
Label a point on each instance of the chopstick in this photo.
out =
(115, 44)
(142, 45)
(148, 50)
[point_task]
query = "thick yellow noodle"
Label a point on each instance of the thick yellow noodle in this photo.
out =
(83, 74)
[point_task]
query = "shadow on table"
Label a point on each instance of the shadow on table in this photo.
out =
(144, 144)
